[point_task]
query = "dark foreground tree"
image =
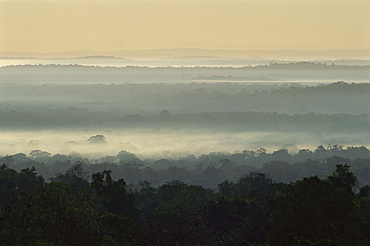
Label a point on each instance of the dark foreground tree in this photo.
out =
(252, 211)
(113, 194)
(316, 211)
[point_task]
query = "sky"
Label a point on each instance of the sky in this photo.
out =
(110, 25)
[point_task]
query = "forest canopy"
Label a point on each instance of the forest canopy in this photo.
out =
(255, 209)
(207, 170)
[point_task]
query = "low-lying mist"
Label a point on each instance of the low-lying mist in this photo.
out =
(164, 143)
(173, 112)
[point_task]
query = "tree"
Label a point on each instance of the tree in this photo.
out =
(29, 180)
(58, 214)
(125, 157)
(97, 139)
(172, 212)
(9, 180)
(119, 230)
(363, 213)
(343, 178)
(113, 194)
(241, 214)
(39, 154)
(74, 176)
(316, 210)
(226, 218)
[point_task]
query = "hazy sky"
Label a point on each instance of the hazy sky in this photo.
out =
(60, 25)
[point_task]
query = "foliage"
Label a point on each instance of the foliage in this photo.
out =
(255, 210)
(113, 194)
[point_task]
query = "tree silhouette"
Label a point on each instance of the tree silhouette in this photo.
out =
(97, 139)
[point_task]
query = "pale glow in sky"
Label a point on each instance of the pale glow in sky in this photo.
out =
(56, 25)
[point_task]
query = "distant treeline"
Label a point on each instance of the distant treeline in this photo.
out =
(225, 121)
(77, 73)
(150, 99)
(229, 78)
(208, 169)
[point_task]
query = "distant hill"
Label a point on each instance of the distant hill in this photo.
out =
(299, 71)
(158, 53)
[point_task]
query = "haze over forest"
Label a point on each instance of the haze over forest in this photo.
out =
(187, 122)
(223, 76)
(145, 110)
